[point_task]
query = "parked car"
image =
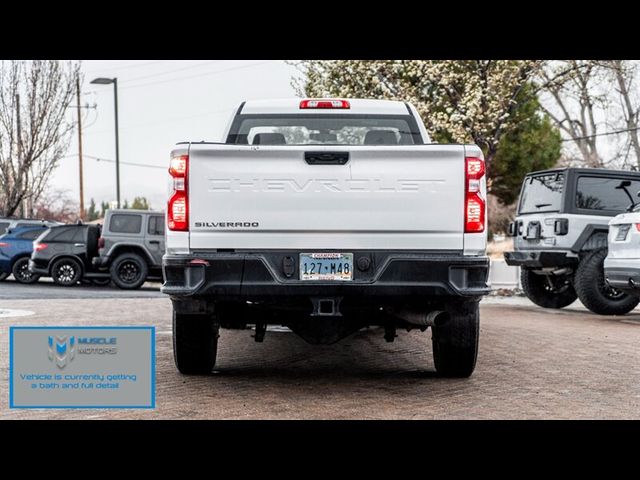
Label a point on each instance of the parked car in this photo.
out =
(131, 247)
(16, 246)
(560, 236)
(64, 253)
(326, 215)
(622, 265)
(8, 222)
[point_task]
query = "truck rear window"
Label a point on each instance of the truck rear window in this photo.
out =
(324, 129)
(542, 193)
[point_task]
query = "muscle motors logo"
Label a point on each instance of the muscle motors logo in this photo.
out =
(62, 349)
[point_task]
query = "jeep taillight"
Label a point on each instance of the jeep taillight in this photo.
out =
(474, 205)
(178, 206)
(101, 242)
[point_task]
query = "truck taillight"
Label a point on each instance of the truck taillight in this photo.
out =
(324, 103)
(474, 206)
(178, 206)
(39, 246)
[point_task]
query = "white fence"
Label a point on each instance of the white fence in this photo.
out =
(502, 275)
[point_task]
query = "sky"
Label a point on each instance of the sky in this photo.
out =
(160, 103)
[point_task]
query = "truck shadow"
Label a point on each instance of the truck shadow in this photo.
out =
(363, 355)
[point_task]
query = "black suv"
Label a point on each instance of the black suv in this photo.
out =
(65, 253)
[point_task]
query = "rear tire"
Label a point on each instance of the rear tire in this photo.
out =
(594, 292)
(129, 271)
(455, 342)
(195, 343)
(21, 272)
(536, 287)
(66, 272)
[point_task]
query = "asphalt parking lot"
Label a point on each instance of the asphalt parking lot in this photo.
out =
(533, 363)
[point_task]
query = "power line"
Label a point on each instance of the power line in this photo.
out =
(197, 75)
(188, 67)
(600, 134)
(99, 159)
(167, 120)
(126, 67)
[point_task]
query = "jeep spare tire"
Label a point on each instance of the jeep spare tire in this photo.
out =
(129, 271)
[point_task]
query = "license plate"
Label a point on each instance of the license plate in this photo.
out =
(333, 267)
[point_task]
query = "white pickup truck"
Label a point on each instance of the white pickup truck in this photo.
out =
(326, 216)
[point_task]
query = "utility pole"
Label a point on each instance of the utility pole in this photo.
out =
(115, 100)
(81, 216)
(19, 134)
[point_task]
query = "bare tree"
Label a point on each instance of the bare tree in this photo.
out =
(576, 101)
(624, 76)
(57, 205)
(35, 128)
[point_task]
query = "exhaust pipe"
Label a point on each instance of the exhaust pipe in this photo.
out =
(422, 319)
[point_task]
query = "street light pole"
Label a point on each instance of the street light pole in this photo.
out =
(80, 148)
(107, 81)
(115, 103)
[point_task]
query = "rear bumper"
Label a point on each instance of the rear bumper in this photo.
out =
(253, 275)
(623, 274)
(539, 259)
(38, 268)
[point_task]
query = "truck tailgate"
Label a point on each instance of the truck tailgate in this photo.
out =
(269, 197)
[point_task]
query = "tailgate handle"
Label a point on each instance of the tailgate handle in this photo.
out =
(326, 158)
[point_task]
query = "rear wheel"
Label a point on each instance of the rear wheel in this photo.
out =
(548, 291)
(195, 343)
(595, 293)
(21, 271)
(455, 342)
(66, 272)
(129, 271)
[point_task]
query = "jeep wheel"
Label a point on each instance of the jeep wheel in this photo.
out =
(66, 272)
(547, 291)
(595, 293)
(21, 271)
(129, 271)
(4, 275)
(195, 343)
(455, 342)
